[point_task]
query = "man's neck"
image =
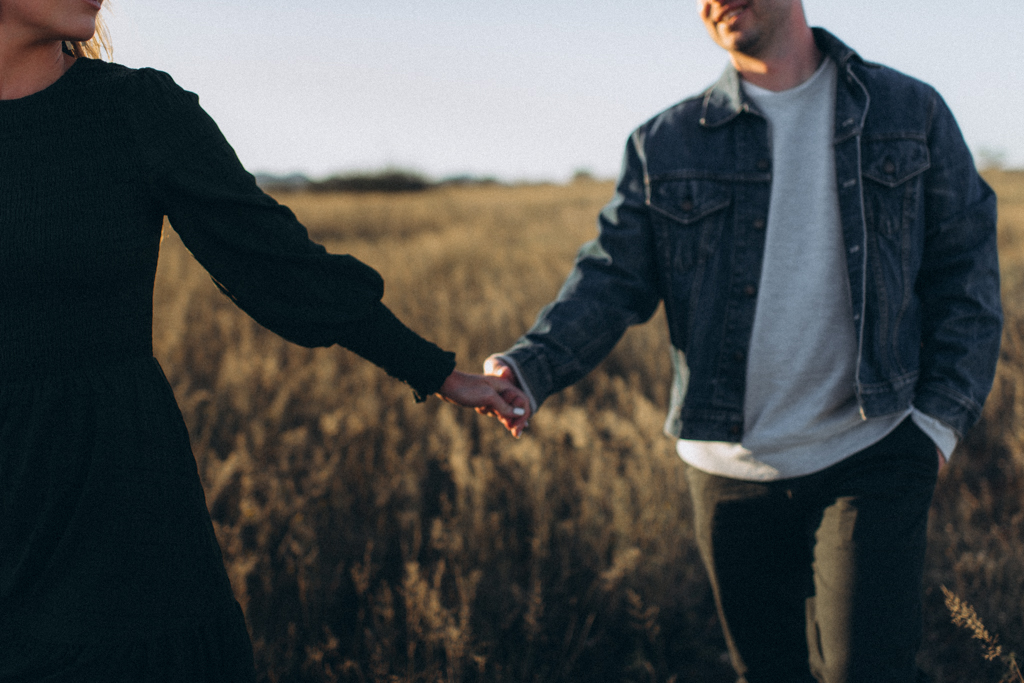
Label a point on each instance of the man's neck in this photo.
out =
(788, 65)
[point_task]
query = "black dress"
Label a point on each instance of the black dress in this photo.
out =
(109, 567)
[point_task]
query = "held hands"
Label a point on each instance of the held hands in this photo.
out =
(491, 395)
(493, 367)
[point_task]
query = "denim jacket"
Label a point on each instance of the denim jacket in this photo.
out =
(686, 227)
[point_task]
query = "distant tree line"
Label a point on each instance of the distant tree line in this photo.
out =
(387, 180)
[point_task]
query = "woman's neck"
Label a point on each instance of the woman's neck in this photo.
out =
(27, 69)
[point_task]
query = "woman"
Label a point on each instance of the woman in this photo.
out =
(109, 567)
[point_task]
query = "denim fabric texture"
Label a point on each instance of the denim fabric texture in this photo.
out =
(686, 227)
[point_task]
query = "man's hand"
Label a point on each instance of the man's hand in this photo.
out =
(495, 368)
(488, 395)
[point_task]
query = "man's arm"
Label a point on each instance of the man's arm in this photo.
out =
(613, 285)
(958, 283)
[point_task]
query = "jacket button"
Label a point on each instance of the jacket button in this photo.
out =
(750, 290)
(889, 167)
(763, 165)
(686, 205)
(759, 224)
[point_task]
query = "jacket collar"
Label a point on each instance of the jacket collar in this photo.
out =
(725, 100)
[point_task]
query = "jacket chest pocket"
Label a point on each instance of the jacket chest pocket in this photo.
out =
(688, 216)
(892, 170)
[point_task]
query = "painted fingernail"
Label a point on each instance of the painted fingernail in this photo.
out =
(519, 411)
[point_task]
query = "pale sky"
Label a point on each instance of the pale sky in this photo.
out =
(523, 90)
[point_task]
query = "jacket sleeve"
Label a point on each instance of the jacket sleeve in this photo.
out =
(958, 283)
(612, 286)
(255, 249)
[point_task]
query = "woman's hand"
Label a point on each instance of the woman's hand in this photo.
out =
(494, 367)
(488, 395)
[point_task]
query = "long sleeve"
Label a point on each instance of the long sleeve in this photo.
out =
(958, 284)
(612, 286)
(256, 250)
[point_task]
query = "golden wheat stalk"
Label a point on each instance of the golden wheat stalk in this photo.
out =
(963, 615)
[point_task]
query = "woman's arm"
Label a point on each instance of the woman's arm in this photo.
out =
(256, 250)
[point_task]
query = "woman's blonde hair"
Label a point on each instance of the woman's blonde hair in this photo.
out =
(97, 47)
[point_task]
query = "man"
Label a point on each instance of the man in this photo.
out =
(826, 254)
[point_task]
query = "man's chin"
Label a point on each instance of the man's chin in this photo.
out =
(738, 41)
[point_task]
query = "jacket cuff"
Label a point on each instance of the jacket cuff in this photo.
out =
(520, 379)
(532, 371)
(956, 412)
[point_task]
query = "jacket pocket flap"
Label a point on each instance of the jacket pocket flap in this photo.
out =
(688, 201)
(893, 162)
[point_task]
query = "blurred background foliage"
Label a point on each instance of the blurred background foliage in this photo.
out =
(370, 538)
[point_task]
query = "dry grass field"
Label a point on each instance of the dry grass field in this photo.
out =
(370, 538)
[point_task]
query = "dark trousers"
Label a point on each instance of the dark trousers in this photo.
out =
(819, 577)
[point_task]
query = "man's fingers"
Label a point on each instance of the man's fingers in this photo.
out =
(515, 427)
(518, 426)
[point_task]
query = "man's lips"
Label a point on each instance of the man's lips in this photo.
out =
(728, 12)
